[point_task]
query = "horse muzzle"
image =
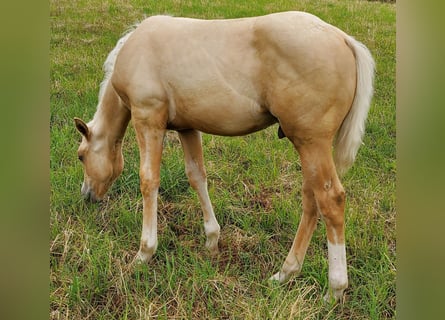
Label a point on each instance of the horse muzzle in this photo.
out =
(89, 194)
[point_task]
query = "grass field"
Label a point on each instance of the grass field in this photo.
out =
(254, 183)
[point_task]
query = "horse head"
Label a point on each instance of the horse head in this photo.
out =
(101, 159)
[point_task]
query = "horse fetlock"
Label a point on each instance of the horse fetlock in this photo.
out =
(338, 281)
(334, 295)
(338, 275)
(279, 277)
(212, 235)
(282, 276)
(142, 258)
(286, 272)
(146, 252)
(212, 229)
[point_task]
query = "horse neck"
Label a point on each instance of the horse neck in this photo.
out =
(111, 117)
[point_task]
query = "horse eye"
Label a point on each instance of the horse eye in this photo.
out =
(81, 158)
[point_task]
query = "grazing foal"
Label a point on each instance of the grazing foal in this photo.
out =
(234, 77)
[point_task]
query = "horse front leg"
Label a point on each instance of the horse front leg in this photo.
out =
(194, 167)
(150, 126)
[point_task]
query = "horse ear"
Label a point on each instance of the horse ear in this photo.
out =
(82, 127)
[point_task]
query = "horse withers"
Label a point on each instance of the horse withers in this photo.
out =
(231, 78)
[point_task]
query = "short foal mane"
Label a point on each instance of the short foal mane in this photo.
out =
(108, 68)
(109, 63)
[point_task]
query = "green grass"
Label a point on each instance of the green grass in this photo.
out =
(254, 183)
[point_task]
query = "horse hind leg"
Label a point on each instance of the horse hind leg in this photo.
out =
(323, 195)
(308, 223)
(319, 169)
(194, 166)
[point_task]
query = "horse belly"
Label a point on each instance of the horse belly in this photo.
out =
(221, 117)
(217, 97)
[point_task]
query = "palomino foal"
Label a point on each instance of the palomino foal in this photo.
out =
(234, 77)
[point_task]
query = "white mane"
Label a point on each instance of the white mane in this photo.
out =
(108, 66)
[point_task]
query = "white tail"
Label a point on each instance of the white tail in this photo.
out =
(350, 134)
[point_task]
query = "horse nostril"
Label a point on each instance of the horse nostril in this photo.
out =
(90, 196)
(93, 198)
(86, 195)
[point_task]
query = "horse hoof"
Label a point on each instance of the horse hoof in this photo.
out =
(142, 258)
(212, 247)
(332, 297)
(214, 252)
(276, 278)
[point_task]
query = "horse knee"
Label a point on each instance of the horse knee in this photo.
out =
(149, 185)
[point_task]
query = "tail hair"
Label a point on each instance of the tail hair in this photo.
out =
(350, 134)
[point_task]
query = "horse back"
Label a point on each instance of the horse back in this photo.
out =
(241, 70)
